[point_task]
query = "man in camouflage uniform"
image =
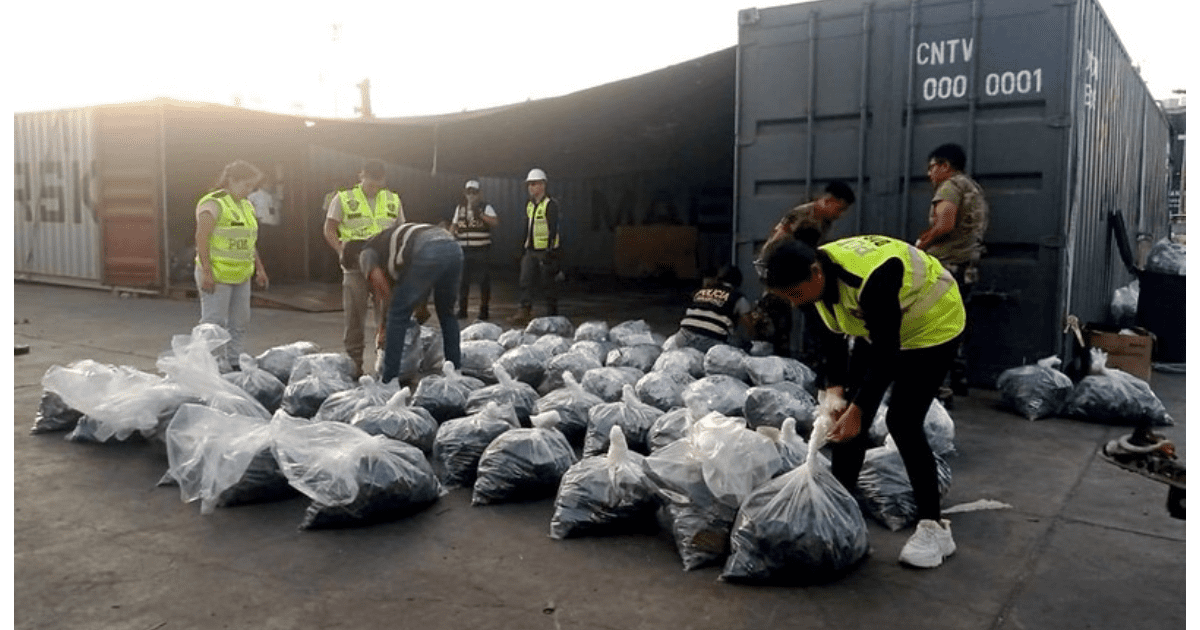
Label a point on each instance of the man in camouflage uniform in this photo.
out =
(958, 217)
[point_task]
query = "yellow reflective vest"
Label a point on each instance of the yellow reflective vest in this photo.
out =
(231, 246)
(362, 219)
(931, 307)
(539, 225)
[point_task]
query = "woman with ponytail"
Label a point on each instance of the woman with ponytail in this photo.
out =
(227, 255)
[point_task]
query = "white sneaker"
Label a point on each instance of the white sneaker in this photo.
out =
(929, 545)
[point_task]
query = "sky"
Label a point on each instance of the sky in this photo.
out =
(431, 57)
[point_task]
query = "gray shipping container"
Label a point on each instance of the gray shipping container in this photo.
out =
(1059, 130)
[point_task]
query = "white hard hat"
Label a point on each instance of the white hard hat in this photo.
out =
(536, 175)
(472, 184)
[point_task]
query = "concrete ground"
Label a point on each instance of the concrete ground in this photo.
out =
(97, 545)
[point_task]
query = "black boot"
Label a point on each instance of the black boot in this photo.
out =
(483, 312)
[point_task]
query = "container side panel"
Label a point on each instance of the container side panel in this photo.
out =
(56, 233)
(129, 159)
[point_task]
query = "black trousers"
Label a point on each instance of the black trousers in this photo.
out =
(477, 268)
(919, 375)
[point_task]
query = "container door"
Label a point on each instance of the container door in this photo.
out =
(130, 196)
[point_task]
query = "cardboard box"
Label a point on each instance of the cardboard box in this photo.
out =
(1130, 353)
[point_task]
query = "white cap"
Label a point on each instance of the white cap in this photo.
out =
(472, 184)
(536, 175)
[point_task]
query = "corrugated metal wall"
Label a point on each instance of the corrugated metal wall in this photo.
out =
(861, 92)
(56, 231)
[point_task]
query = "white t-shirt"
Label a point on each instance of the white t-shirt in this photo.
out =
(264, 207)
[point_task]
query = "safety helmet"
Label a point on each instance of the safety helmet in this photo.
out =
(472, 184)
(536, 175)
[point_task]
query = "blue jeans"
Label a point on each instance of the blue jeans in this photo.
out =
(228, 306)
(437, 265)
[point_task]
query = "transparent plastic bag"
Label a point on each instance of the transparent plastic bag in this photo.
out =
(478, 357)
(280, 360)
(726, 360)
(592, 331)
(572, 402)
(523, 464)
(769, 406)
(525, 363)
(352, 478)
(223, 459)
(1035, 391)
(1167, 257)
(510, 339)
(604, 493)
(433, 355)
(631, 414)
(552, 345)
(885, 491)
(793, 450)
(939, 429)
(552, 325)
(114, 402)
(191, 365)
(260, 384)
(733, 458)
(663, 390)
(1115, 397)
(773, 369)
(698, 522)
(397, 420)
(575, 363)
(687, 360)
(518, 394)
(460, 442)
(800, 527)
(671, 426)
(445, 396)
(596, 349)
(341, 406)
(1124, 304)
(480, 331)
(54, 414)
(609, 382)
(641, 356)
(632, 333)
(721, 393)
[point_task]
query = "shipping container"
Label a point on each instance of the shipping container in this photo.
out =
(1058, 127)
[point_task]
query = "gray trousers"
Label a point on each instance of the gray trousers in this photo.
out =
(356, 297)
(538, 269)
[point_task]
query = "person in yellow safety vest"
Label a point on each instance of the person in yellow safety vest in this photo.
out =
(905, 313)
(353, 216)
(541, 256)
(227, 256)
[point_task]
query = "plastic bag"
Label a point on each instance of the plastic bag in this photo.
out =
(769, 406)
(721, 393)
(1035, 391)
(1115, 397)
(552, 325)
(341, 406)
(191, 365)
(596, 349)
(1167, 257)
(884, 489)
(592, 331)
(114, 402)
(478, 357)
(510, 339)
(327, 364)
(793, 450)
(523, 464)
(663, 390)
(280, 360)
(641, 356)
(671, 426)
(459, 442)
(699, 523)
(575, 363)
(54, 414)
(519, 395)
(802, 526)
(608, 382)
(480, 331)
(213, 340)
(727, 360)
(445, 396)
(939, 428)
(631, 414)
(433, 355)
(223, 459)
(772, 369)
(1124, 304)
(604, 493)
(687, 360)
(398, 421)
(552, 345)
(525, 363)
(734, 460)
(572, 402)
(260, 384)
(631, 333)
